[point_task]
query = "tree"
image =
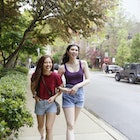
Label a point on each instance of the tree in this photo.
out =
(117, 30)
(93, 54)
(50, 19)
(135, 49)
(12, 25)
(123, 53)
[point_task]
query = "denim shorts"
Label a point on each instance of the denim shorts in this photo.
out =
(42, 107)
(76, 100)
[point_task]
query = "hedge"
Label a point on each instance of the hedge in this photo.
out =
(13, 111)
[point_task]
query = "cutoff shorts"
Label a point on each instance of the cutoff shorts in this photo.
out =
(42, 107)
(76, 100)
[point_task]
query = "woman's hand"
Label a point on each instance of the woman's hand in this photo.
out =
(51, 99)
(37, 98)
(74, 89)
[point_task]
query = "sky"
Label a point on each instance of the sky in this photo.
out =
(132, 8)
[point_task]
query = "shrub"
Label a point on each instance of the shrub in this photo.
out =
(13, 111)
(4, 71)
(4, 129)
(22, 69)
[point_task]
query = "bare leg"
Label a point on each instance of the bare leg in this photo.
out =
(71, 115)
(50, 118)
(40, 120)
(77, 112)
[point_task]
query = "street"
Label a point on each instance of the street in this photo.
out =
(117, 103)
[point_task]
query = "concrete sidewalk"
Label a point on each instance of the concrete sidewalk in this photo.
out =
(88, 127)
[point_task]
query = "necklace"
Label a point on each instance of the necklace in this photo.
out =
(73, 64)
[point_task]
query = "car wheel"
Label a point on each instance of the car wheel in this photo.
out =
(132, 78)
(117, 77)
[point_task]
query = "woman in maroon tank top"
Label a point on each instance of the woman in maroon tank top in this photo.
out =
(76, 73)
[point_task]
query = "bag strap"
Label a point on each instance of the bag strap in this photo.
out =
(50, 93)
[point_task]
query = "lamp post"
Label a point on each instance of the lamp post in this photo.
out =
(38, 52)
(101, 51)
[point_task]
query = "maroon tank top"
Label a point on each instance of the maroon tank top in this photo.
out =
(73, 77)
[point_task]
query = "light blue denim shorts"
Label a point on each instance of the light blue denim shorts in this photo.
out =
(42, 107)
(76, 100)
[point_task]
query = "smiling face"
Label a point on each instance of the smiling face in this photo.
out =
(48, 64)
(73, 52)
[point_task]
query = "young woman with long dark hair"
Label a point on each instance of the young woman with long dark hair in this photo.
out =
(45, 107)
(76, 73)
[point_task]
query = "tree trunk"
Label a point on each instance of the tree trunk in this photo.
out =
(11, 62)
(12, 58)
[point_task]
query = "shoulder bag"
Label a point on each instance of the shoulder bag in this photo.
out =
(50, 93)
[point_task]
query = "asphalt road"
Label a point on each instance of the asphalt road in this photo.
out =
(117, 103)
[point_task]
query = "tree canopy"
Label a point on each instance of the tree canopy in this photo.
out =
(43, 21)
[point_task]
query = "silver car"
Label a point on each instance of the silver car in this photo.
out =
(113, 68)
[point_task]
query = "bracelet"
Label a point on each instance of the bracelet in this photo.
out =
(34, 95)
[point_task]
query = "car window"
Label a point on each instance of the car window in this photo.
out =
(138, 66)
(133, 66)
(127, 66)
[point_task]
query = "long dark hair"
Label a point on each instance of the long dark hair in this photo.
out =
(65, 58)
(39, 71)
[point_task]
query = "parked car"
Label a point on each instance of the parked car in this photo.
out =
(113, 68)
(130, 72)
(56, 66)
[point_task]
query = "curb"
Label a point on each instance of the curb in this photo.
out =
(104, 125)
